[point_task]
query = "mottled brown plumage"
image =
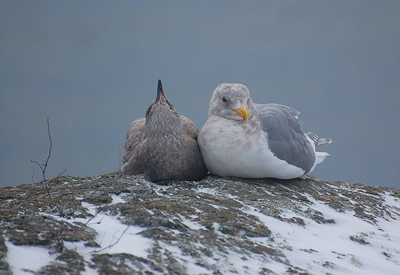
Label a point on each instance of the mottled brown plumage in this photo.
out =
(163, 146)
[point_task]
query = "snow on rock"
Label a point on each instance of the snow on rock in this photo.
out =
(114, 224)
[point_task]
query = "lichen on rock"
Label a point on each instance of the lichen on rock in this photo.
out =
(217, 225)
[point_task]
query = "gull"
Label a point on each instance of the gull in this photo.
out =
(247, 140)
(163, 145)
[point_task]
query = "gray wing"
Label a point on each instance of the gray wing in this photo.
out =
(285, 134)
(132, 139)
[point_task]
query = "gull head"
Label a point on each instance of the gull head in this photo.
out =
(232, 101)
(161, 114)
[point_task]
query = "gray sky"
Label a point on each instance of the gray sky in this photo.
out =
(92, 68)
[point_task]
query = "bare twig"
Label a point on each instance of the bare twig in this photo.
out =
(62, 172)
(33, 175)
(95, 215)
(43, 167)
(114, 243)
(56, 238)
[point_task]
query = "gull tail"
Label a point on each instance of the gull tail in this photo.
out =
(318, 142)
(321, 156)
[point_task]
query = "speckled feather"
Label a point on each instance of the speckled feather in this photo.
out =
(163, 146)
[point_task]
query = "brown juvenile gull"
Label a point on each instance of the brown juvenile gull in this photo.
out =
(163, 146)
(247, 140)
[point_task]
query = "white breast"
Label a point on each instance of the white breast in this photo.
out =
(229, 151)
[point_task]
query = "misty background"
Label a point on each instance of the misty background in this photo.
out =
(92, 67)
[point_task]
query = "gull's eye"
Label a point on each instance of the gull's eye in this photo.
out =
(224, 99)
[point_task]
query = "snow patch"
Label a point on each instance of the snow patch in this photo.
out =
(18, 256)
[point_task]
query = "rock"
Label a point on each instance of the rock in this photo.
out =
(116, 224)
(4, 266)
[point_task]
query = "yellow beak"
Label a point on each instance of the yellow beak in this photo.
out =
(242, 112)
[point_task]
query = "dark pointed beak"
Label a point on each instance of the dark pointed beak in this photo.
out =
(160, 94)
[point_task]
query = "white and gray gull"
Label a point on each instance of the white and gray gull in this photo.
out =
(163, 145)
(247, 140)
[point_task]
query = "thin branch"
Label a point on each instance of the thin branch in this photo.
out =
(33, 176)
(40, 166)
(111, 245)
(51, 146)
(89, 220)
(43, 166)
(62, 172)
